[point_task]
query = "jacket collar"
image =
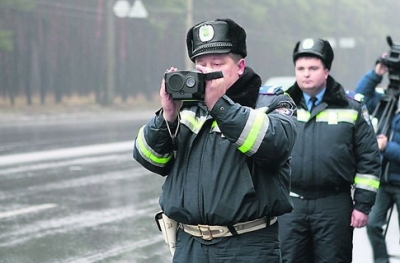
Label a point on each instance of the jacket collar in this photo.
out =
(334, 95)
(246, 89)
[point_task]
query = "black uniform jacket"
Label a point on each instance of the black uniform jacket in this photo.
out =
(231, 163)
(336, 148)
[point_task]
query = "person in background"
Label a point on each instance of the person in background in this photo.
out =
(336, 152)
(389, 146)
(225, 158)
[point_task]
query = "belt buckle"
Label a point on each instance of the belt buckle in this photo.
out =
(205, 232)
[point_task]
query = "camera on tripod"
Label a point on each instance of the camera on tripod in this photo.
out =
(392, 62)
(387, 105)
(188, 85)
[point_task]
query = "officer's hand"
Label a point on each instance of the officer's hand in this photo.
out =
(380, 68)
(170, 107)
(382, 141)
(358, 219)
(215, 88)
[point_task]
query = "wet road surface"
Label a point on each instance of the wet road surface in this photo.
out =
(38, 133)
(66, 198)
(71, 192)
(90, 209)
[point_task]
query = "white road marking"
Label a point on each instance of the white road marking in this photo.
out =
(27, 210)
(66, 153)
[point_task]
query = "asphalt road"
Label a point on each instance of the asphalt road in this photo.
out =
(71, 192)
(23, 134)
(362, 252)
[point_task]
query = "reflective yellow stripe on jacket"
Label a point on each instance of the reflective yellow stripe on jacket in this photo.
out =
(251, 137)
(253, 133)
(194, 123)
(330, 116)
(367, 182)
(149, 154)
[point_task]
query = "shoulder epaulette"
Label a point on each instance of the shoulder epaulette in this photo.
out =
(354, 96)
(270, 90)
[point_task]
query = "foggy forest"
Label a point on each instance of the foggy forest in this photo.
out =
(61, 48)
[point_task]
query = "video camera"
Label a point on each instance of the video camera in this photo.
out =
(387, 105)
(188, 85)
(392, 62)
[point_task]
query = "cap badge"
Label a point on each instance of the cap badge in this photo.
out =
(206, 33)
(307, 43)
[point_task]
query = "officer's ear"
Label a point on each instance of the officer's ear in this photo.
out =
(326, 71)
(241, 66)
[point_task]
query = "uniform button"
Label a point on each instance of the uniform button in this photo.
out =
(222, 108)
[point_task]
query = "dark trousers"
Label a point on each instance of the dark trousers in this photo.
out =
(386, 197)
(261, 246)
(318, 230)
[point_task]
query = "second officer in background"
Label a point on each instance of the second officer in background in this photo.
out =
(336, 150)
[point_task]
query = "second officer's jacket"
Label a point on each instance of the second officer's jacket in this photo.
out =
(336, 148)
(231, 164)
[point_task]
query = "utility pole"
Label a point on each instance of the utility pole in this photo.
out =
(109, 91)
(189, 24)
(121, 9)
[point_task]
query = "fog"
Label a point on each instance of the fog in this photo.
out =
(61, 48)
(69, 188)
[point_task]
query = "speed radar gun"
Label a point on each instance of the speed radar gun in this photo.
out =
(387, 106)
(188, 85)
(168, 227)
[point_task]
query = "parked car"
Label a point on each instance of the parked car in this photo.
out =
(284, 81)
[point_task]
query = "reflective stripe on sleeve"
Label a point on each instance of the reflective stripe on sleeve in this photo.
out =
(148, 153)
(367, 182)
(253, 133)
(215, 128)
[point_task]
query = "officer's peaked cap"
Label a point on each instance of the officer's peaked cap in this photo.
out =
(217, 36)
(315, 47)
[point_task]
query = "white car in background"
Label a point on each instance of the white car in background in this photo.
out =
(284, 81)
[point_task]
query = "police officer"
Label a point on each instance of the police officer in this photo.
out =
(335, 150)
(228, 178)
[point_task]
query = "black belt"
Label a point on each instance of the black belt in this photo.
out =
(320, 193)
